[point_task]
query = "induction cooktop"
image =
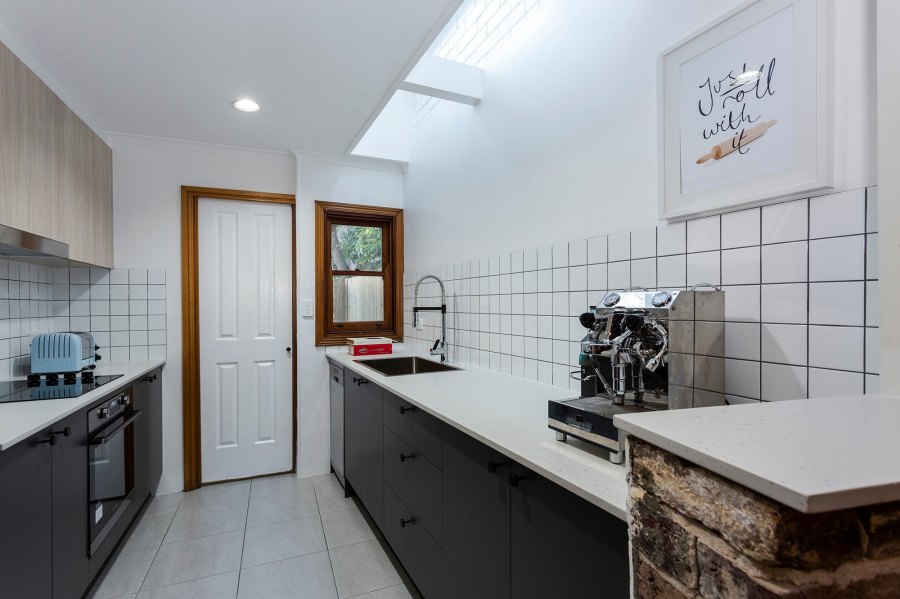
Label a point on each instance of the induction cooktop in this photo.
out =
(51, 386)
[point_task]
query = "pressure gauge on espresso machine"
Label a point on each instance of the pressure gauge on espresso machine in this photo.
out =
(661, 299)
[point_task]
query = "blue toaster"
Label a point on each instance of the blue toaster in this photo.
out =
(58, 353)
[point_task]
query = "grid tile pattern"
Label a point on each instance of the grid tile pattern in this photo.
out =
(801, 296)
(26, 309)
(124, 308)
(277, 536)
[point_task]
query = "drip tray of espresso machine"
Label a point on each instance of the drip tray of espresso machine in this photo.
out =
(591, 418)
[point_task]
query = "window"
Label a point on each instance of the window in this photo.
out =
(359, 270)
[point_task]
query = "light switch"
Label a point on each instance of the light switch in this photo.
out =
(306, 309)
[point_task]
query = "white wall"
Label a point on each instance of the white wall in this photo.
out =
(889, 187)
(352, 181)
(147, 179)
(563, 145)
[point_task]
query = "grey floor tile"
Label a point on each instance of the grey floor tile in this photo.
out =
(195, 558)
(308, 577)
(321, 480)
(330, 496)
(401, 591)
(149, 531)
(207, 520)
(346, 527)
(163, 503)
(282, 507)
(273, 485)
(221, 586)
(363, 568)
(283, 540)
(220, 493)
(125, 574)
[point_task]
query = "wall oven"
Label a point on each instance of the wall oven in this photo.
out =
(111, 461)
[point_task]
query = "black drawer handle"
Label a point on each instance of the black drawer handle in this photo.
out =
(404, 456)
(53, 435)
(515, 479)
(492, 465)
(405, 409)
(360, 381)
(403, 522)
(150, 379)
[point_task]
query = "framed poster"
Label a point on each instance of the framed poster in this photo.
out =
(744, 110)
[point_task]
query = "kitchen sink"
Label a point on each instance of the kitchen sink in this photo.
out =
(406, 365)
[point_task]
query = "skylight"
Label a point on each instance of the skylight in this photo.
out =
(478, 27)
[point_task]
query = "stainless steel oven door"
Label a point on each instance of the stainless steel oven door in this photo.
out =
(111, 466)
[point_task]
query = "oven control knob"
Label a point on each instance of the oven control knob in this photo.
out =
(611, 300)
(103, 413)
(661, 299)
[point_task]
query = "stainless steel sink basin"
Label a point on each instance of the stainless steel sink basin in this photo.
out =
(405, 365)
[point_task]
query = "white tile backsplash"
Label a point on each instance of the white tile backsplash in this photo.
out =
(794, 329)
(788, 221)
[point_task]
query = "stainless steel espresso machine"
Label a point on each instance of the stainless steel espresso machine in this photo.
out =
(644, 351)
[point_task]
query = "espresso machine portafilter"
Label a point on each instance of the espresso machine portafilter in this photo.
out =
(644, 351)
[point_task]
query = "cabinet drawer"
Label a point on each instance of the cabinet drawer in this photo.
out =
(421, 430)
(416, 481)
(418, 552)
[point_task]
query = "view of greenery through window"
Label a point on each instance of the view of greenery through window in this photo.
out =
(355, 248)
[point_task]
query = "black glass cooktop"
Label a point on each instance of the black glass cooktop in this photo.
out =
(37, 388)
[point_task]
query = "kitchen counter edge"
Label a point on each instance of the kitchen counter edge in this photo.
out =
(546, 462)
(20, 420)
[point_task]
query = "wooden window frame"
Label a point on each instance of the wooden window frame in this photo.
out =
(391, 220)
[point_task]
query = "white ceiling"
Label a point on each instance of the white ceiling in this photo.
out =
(321, 69)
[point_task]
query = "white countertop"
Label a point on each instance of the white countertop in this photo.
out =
(508, 414)
(814, 455)
(19, 420)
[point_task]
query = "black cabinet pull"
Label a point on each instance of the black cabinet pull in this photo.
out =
(403, 522)
(53, 435)
(515, 479)
(150, 379)
(405, 409)
(492, 465)
(360, 381)
(404, 456)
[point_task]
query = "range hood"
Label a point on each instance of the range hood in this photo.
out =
(23, 246)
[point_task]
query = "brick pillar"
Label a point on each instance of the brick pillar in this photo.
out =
(695, 534)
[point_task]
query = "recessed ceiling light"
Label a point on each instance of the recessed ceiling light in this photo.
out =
(246, 105)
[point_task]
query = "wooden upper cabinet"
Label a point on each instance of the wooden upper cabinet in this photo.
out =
(55, 172)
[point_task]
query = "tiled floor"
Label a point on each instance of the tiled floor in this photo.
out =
(271, 537)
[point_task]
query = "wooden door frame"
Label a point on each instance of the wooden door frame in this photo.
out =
(190, 317)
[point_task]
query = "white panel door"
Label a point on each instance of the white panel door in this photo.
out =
(246, 370)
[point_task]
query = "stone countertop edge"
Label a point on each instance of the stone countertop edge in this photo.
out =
(508, 414)
(19, 420)
(812, 455)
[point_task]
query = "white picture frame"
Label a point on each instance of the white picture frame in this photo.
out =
(745, 110)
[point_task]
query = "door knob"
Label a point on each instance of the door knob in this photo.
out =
(287, 349)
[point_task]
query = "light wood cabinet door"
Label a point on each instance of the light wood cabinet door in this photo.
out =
(55, 172)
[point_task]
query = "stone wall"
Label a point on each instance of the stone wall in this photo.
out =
(695, 534)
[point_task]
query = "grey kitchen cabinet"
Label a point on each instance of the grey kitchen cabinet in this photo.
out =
(363, 441)
(148, 428)
(415, 426)
(562, 545)
(26, 550)
(476, 519)
(417, 550)
(371, 491)
(415, 480)
(352, 429)
(71, 532)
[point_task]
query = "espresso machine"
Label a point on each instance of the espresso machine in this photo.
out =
(644, 351)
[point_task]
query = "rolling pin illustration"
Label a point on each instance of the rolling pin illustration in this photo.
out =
(727, 147)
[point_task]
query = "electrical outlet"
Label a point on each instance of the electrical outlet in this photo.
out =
(419, 325)
(306, 309)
